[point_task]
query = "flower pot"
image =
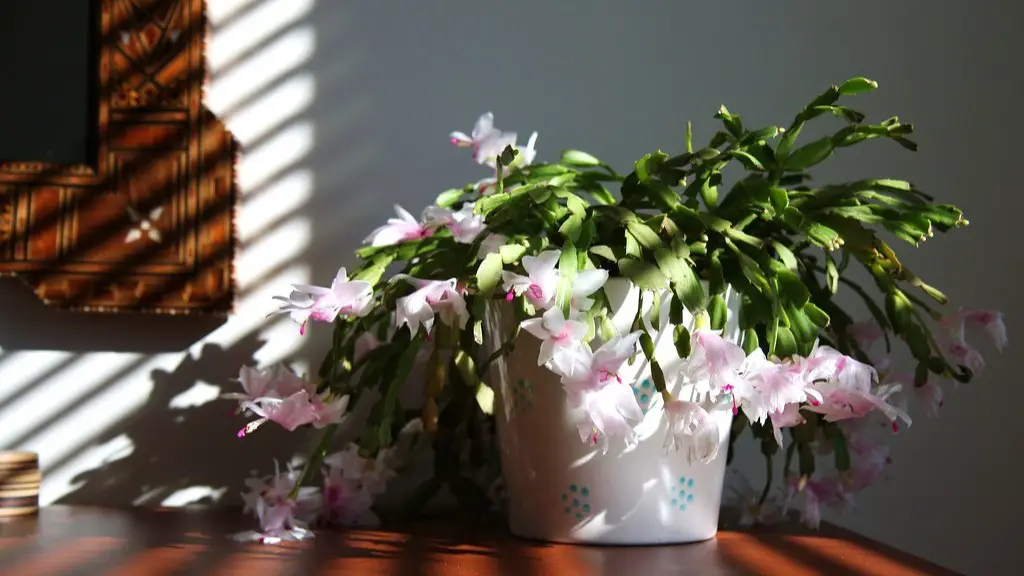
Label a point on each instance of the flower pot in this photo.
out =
(561, 489)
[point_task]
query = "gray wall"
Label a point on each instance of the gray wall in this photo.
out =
(382, 83)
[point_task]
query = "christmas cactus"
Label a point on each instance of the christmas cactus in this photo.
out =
(809, 381)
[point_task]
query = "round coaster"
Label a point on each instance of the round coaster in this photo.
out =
(20, 479)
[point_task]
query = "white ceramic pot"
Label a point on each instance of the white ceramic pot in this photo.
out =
(563, 490)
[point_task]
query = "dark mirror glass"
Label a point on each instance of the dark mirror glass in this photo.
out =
(48, 62)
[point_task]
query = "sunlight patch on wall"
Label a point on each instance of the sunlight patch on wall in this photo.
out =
(241, 36)
(187, 496)
(42, 406)
(259, 71)
(272, 109)
(220, 10)
(200, 393)
(279, 198)
(60, 482)
(22, 370)
(260, 88)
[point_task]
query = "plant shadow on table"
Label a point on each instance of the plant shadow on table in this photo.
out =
(177, 448)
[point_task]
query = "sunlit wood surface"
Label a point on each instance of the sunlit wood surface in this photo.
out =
(139, 542)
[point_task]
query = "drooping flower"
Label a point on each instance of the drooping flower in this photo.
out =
(788, 417)
(286, 399)
(400, 229)
(540, 282)
(256, 383)
(327, 411)
(344, 297)
(865, 333)
(486, 141)
(281, 518)
(930, 397)
(847, 387)
(431, 297)
(693, 430)
(554, 332)
(957, 346)
(606, 406)
(777, 385)
(713, 365)
(289, 413)
(991, 320)
(744, 496)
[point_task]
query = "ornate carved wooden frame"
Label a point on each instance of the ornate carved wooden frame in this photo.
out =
(150, 226)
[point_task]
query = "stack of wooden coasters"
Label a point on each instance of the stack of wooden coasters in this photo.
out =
(19, 483)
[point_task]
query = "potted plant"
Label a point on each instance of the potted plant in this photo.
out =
(620, 342)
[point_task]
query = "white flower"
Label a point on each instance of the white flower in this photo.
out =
(691, 428)
(527, 153)
(486, 141)
(345, 298)
(585, 283)
(400, 229)
(431, 297)
(280, 517)
(540, 282)
(554, 332)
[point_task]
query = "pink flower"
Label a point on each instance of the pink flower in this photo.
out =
(328, 412)
(606, 406)
(290, 401)
(289, 413)
(400, 229)
(256, 384)
(346, 298)
(541, 278)
(464, 225)
(486, 141)
(432, 297)
(846, 387)
(691, 428)
(554, 332)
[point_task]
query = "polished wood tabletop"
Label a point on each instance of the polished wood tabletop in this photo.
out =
(147, 542)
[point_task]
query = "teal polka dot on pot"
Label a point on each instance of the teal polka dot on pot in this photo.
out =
(682, 493)
(576, 501)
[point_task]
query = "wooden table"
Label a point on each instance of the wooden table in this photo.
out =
(140, 542)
